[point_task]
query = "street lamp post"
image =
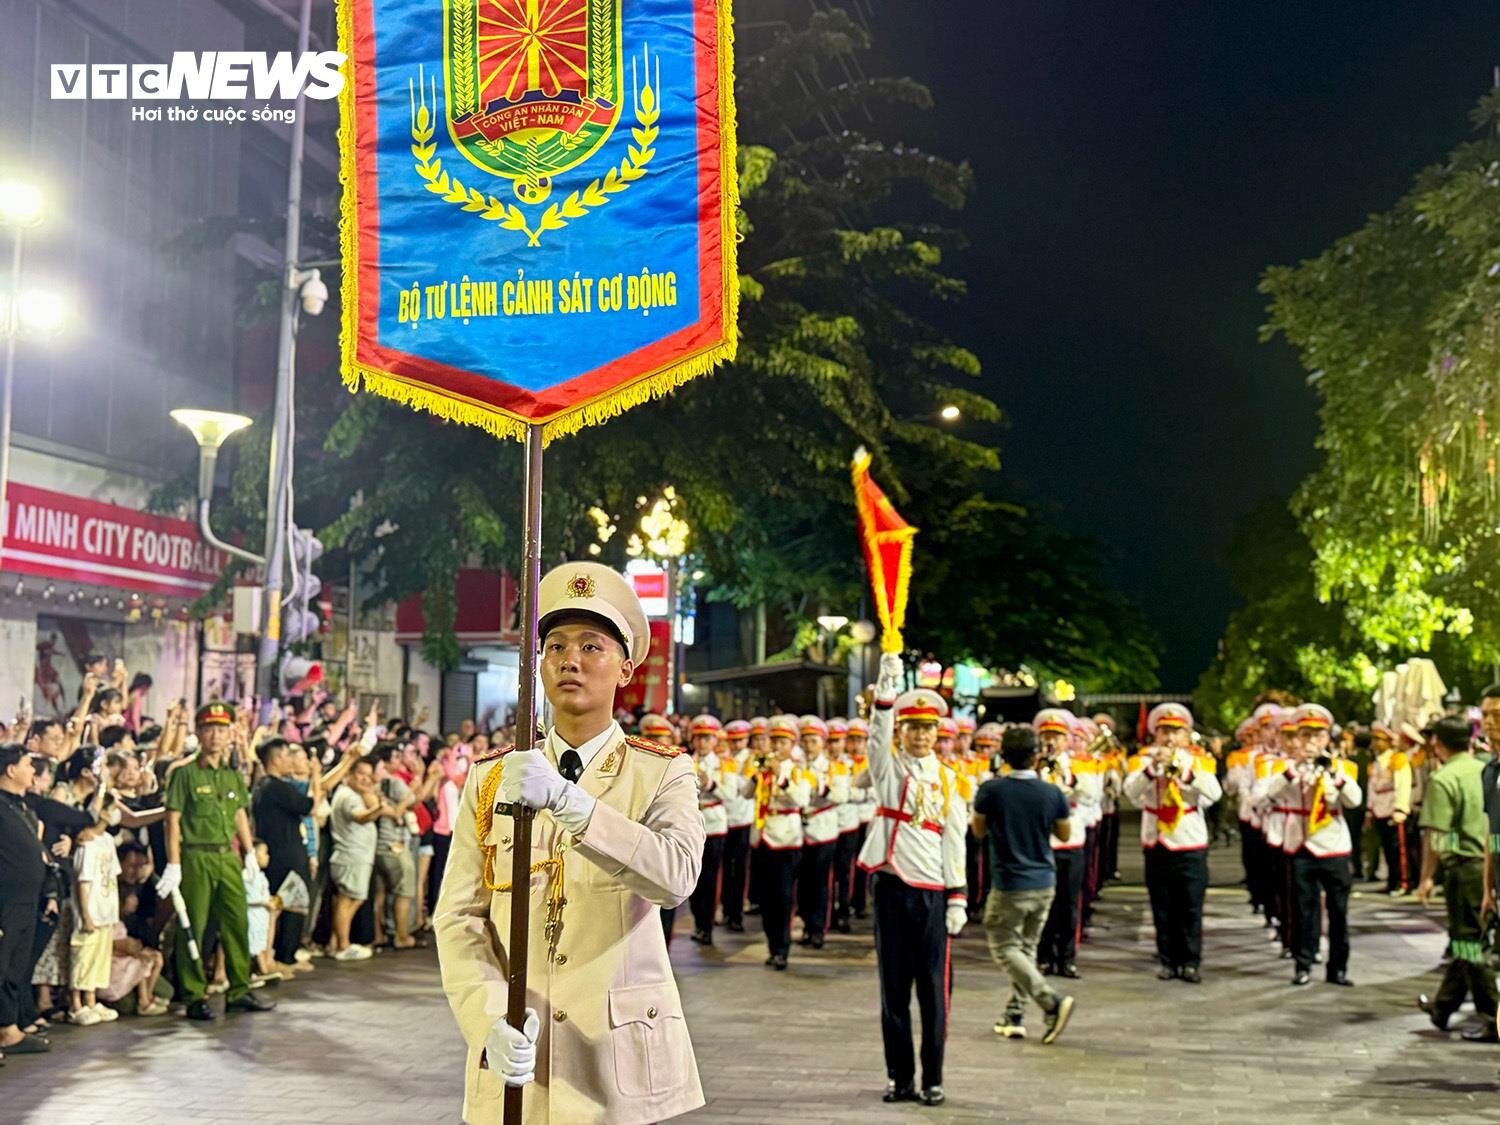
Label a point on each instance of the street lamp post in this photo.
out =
(209, 429)
(663, 536)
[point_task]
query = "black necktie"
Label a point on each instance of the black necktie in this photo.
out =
(570, 765)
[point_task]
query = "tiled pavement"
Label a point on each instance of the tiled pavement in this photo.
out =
(373, 1043)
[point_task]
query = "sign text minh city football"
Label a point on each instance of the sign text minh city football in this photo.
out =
(539, 211)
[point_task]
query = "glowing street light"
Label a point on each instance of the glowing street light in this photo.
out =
(950, 413)
(21, 203)
(210, 428)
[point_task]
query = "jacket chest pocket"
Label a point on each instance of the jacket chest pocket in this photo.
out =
(653, 1054)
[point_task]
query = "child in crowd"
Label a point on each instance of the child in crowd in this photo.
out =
(97, 900)
(133, 965)
(263, 907)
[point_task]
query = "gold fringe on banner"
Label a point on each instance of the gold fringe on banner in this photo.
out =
(500, 423)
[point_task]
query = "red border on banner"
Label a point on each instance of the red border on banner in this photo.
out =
(541, 406)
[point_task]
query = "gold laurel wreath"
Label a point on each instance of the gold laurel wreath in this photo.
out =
(557, 215)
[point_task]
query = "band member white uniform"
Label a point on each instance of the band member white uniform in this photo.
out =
(781, 790)
(1058, 952)
(605, 1039)
(861, 795)
(1390, 804)
(820, 831)
(846, 850)
(1318, 787)
(704, 732)
(1172, 786)
(915, 847)
(739, 813)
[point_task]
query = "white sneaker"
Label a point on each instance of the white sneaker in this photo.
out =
(217, 987)
(354, 953)
(302, 957)
(84, 1017)
(106, 1014)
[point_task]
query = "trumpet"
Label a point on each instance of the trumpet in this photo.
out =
(1104, 740)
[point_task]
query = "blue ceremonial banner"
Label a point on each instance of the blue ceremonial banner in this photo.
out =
(539, 204)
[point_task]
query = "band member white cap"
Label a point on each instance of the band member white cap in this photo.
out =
(594, 589)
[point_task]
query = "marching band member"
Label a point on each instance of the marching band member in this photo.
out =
(760, 750)
(704, 733)
(658, 729)
(781, 790)
(1415, 748)
(1171, 786)
(739, 813)
(846, 849)
(1318, 786)
(1390, 804)
(1058, 952)
(915, 850)
(1276, 876)
(820, 830)
(863, 798)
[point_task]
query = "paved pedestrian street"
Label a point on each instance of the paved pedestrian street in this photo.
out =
(373, 1042)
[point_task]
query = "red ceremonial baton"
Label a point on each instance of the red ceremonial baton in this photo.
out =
(520, 867)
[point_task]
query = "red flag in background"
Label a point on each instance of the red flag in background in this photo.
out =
(886, 539)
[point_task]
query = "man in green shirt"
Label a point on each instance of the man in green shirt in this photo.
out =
(206, 809)
(1455, 829)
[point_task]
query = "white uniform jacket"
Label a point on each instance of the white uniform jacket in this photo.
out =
(784, 790)
(739, 810)
(821, 820)
(1172, 808)
(853, 803)
(1273, 812)
(917, 833)
(614, 1045)
(1296, 787)
(1083, 799)
(711, 791)
(1390, 785)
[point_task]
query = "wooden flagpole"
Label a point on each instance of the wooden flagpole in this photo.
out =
(520, 870)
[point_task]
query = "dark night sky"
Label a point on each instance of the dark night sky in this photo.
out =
(1138, 165)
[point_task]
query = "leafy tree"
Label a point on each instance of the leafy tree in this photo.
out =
(1399, 327)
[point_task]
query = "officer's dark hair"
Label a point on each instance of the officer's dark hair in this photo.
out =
(130, 847)
(1453, 732)
(110, 737)
(1491, 692)
(1018, 747)
(11, 754)
(40, 727)
(267, 749)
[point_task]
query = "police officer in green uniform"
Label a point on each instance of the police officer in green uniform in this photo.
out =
(206, 810)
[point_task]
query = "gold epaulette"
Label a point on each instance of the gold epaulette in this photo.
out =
(492, 755)
(653, 747)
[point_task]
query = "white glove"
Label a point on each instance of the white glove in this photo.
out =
(511, 1053)
(957, 916)
(784, 773)
(892, 675)
(169, 880)
(528, 778)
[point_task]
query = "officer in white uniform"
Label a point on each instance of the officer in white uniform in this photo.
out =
(915, 847)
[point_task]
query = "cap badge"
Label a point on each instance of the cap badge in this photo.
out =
(580, 586)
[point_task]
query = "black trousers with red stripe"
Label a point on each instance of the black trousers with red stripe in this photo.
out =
(813, 885)
(911, 949)
(778, 878)
(705, 895)
(732, 885)
(1059, 944)
(845, 850)
(1177, 882)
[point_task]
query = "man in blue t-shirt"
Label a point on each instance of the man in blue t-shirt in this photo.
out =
(1016, 814)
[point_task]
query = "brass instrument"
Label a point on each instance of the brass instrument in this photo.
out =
(1104, 740)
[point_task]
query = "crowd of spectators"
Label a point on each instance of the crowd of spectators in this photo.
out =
(351, 818)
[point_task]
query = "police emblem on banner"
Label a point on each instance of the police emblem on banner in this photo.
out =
(539, 212)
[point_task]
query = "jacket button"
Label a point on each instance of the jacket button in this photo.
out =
(505, 840)
(562, 958)
(650, 1013)
(559, 1015)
